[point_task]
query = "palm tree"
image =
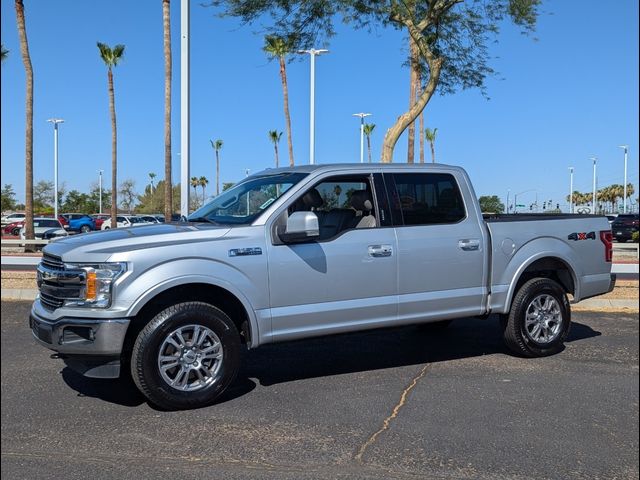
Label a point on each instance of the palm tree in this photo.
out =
(166, 26)
(28, 156)
(430, 135)
(274, 136)
(111, 57)
(195, 183)
(368, 130)
(217, 145)
(202, 181)
(279, 47)
(4, 53)
(413, 88)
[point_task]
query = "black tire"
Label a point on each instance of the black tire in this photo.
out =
(15, 232)
(516, 334)
(85, 229)
(146, 350)
(107, 228)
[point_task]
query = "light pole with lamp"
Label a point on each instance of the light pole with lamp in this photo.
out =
(594, 199)
(624, 200)
(571, 190)
(515, 198)
(100, 190)
(55, 122)
(361, 115)
(312, 53)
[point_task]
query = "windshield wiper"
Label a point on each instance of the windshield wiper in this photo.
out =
(202, 219)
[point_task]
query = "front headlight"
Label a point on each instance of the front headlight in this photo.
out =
(97, 291)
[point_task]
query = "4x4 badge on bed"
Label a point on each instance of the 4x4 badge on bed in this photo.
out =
(582, 236)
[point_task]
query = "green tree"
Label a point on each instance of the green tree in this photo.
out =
(76, 201)
(7, 198)
(28, 154)
(111, 57)
(274, 136)
(227, 185)
(452, 36)
(279, 47)
(203, 182)
(42, 196)
(217, 146)
(128, 194)
(368, 130)
(491, 204)
(148, 202)
(166, 27)
(430, 135)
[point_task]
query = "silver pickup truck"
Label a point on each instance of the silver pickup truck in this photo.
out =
(300, 252)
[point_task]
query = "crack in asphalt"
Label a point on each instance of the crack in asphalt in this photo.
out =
(394, 413)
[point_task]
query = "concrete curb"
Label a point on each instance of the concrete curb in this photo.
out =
(585, 305)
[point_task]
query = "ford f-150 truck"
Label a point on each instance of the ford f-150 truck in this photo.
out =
(314, 250)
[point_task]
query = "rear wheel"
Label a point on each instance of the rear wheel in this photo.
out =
(85, 228)
(539, 320)
(186, 356)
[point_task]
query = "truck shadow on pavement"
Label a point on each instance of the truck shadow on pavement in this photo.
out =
(336, 355)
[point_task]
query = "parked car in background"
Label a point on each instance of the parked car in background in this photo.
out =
(12, 218)
(624, 225)
(45, 226)
(99, 218)
(13, 228)
(150, 219)
(611, 218)
(124, 221)
(79, 222)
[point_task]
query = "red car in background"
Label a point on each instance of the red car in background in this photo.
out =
(100, 218)
(14, 228)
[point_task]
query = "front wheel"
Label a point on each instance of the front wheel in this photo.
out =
(539, 320)
(186, 356)
(85, 229)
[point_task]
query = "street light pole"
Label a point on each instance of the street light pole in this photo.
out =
(515, 198)
(594, 199)
(55, 122)
(571, 190)
(361, 115)
(184, 109)
(312, 102)
(624, 200)
(100, 190)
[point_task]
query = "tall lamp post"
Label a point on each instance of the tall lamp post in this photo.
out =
(515, 198)
(361, 115)
(55, 122)
(571, 190)
(100, 191)
(312, 102)
(624, 200)
(184, 108)
(594, 199)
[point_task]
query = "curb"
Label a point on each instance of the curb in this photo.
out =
(585, 305)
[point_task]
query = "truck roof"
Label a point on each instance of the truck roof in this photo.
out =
(357, 166)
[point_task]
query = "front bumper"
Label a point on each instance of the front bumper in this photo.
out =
(88, 345)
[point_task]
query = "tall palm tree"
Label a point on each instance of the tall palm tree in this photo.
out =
(28, 154)
(152, 177)
(430, 135)
(111, 57)
(202, 181)
(413, 88)
(368, 130)
(195, 183)
(274, 136)
(279, 47)
(4, 53)
(166, 27)
(217, 146)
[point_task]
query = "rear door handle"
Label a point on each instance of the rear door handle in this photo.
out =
(469, 244)
(380, 251)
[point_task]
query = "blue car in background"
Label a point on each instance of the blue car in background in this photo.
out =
(79, 222)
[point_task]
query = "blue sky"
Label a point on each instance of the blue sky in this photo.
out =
(557, 101)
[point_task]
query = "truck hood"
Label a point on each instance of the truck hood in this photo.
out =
(101, 245)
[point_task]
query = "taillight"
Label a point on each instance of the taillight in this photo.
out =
(607, 238)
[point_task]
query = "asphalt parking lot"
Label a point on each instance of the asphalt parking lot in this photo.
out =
(400, 403)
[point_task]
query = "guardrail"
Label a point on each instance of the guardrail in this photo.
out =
(21, 243)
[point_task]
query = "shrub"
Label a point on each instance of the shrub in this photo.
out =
(635, 236)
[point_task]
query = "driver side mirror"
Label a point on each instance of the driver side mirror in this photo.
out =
(301, 227)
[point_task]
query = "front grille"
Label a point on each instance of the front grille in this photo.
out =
(51, 262)
(50, 302)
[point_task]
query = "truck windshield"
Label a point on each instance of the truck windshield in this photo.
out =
(242, 203)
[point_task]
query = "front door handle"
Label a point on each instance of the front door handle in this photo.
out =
(469, 244)
(377, 251)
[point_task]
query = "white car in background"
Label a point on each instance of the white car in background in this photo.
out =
(45, 229)
(124, 221)
(11, 218)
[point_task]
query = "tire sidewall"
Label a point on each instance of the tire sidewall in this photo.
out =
(534, 288)
(145, 355)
